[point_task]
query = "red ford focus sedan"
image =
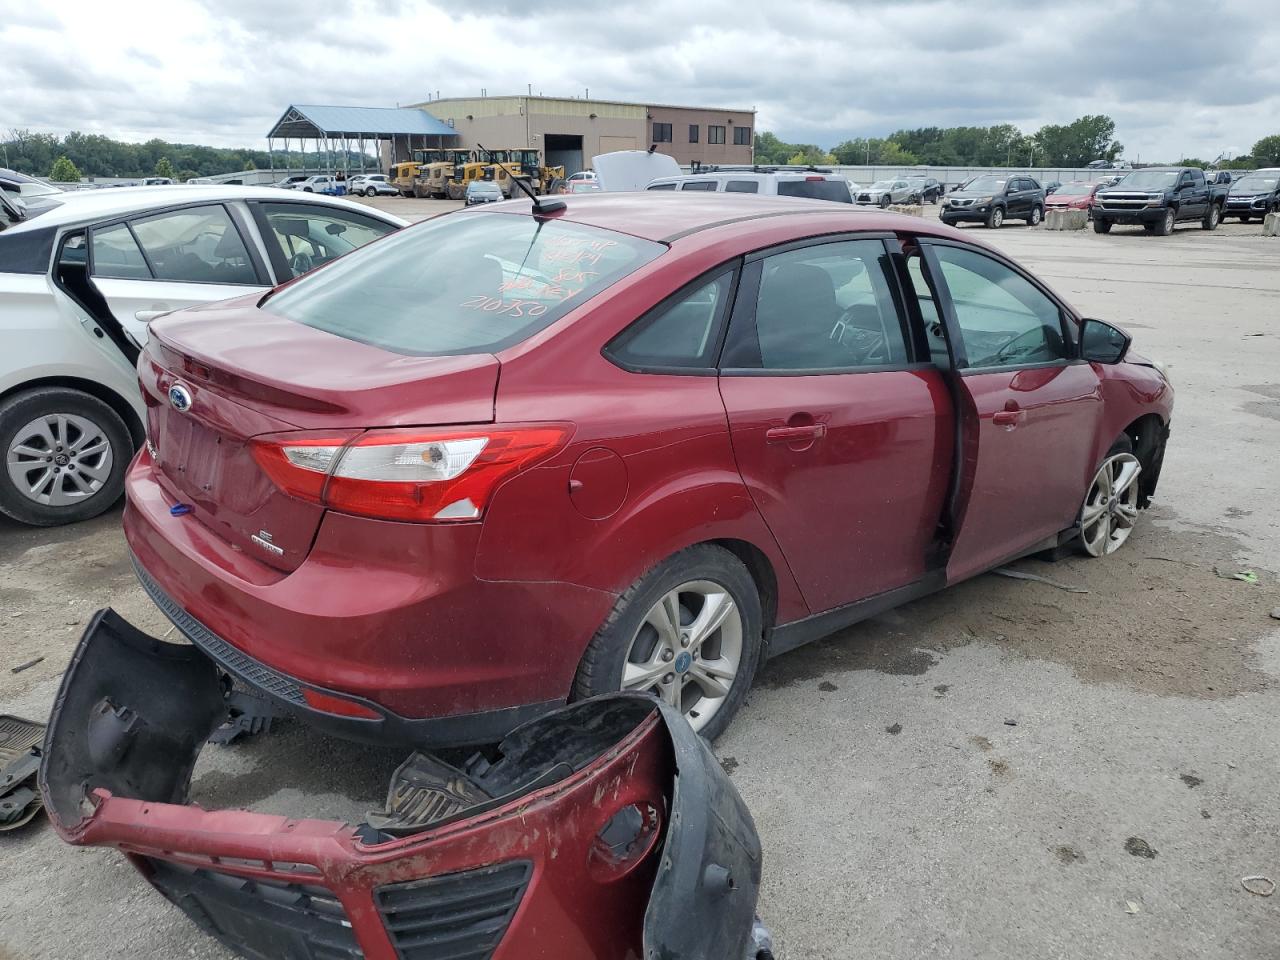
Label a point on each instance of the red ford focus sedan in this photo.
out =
(501, 459)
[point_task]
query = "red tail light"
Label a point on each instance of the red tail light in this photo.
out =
(416, 474)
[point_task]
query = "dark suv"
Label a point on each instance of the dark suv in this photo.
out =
(1254, 195)
(992, 200)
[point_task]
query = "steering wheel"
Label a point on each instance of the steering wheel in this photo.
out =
(871, 346)
(301, 263)
(1012, 348)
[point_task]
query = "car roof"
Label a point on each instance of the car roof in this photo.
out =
(750, 175)
(666, 216)
(87, 206)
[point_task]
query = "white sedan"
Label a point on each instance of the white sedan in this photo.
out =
(81, 276)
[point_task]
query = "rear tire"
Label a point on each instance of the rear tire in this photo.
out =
(67, 423)
(370, 192)
(674, 662)
(1212, 217)
(1101, 226)
(1037, 214)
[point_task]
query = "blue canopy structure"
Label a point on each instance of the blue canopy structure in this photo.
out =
(336, 128)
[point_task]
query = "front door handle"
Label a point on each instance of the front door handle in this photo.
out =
(807, 432)
(1010, 416)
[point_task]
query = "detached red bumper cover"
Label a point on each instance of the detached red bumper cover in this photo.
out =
(603, 831)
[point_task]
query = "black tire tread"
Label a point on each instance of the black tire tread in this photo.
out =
(591, 679)
(11, 502)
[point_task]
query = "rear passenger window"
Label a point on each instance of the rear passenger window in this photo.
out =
(116, 255)
(199, 245)
(708, 185)
(742, 186)
(828, 307)
(682, 333)
(662, 186)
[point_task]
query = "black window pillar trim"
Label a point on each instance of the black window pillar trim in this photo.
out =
(241, 221)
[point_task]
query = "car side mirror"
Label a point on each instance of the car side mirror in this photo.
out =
(1100, 342)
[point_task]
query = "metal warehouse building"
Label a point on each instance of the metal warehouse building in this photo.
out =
(570, 131)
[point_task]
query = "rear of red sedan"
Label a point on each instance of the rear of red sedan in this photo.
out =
(308, 507)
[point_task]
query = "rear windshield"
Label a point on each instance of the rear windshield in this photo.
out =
(462, 283)
(836, 190)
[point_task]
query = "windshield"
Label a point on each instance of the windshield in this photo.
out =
(984, 185)
(1256, 184)
(476, 187)
(1074, 189)
(882, 185)
(836, 190)
(1150, 179)
(462, 283)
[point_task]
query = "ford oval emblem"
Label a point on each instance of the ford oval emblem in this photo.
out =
(180, 398)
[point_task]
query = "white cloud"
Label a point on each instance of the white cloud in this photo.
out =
(1177, 78)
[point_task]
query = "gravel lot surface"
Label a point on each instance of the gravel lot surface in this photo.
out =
(1004, 770)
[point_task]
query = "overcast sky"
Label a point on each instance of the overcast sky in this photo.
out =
(1190, 78)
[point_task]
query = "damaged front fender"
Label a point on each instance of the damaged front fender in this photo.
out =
(605, 830)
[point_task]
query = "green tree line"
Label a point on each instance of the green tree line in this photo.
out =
(1054, 145)
(94, 155)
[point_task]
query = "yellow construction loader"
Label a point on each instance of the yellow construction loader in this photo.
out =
(433, 178)
(403, 176)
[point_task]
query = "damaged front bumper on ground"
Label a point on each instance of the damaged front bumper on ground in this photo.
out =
(604, 830)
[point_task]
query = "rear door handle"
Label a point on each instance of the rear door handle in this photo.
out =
(809, 431)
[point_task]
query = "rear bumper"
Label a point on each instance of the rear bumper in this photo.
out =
(389, 616)
(514, 870)
(466, 729)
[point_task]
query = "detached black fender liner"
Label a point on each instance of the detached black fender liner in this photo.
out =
(628, 838)
(704, 896)
(131, 716)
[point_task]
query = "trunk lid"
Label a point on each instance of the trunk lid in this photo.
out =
(237, 373)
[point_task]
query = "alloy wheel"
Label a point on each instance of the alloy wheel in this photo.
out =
(1111, 508)
(59, 459)
(997, 217)
(688, 650)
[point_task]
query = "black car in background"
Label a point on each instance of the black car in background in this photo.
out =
(925, 189)
(992, 200)
(1254, 195)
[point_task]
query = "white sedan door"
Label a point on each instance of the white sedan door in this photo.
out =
(151, 265)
